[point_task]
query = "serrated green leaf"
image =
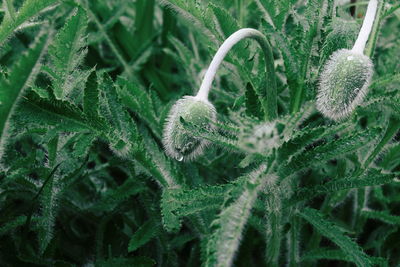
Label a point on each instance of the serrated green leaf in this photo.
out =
(67, 53)
(329, 150)
(177, 203)
(372, 178)
(29, 9)
(21, 76)
(336, 235)
(114, 197)
(140, 102)
(12, 224)
(144, 234)
(49, 196)
(224, 241)
(383, 216)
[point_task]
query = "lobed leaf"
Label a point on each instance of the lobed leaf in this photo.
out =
(67, 53)
(22, 74)
(228, 227)
(336, 235)
(29, 9)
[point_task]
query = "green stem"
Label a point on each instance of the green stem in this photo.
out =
(274, 234)
(293, 245)
(362, 194)
(375, 29)
(269, 100)
(298, 97)
(240, 8)
(267, 96)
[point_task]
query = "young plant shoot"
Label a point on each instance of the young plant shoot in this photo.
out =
(178, 142)
(347, 74)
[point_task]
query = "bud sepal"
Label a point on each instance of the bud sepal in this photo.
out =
(178, 141)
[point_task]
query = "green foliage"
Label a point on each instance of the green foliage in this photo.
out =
(12, 21)
(335, 234)
(143, 235)
(49, 205)
(85, 91)
(67, 52)
(229, 225)
(21, 74)
(177, 203)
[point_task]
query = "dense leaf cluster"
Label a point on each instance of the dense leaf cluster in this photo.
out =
(85, 89)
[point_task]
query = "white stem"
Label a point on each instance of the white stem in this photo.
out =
(366, 27)
(220, 55)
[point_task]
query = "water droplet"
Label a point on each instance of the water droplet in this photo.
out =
(180, 158)
(350, 58)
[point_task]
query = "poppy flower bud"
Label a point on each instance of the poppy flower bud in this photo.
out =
(343, 83)
(179, 142)
(347, 74)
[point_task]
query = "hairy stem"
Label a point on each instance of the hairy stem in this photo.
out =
(362, 38)
(293, 242)
(269, 102)
(274, 234)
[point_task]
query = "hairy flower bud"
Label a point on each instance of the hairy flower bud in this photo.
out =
(178, 142)
(343, 83)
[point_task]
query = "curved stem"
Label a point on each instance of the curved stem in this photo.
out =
(366, 27)
(269, 103)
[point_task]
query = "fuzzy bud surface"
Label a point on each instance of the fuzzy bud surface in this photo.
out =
(343, 83)
(179, 142)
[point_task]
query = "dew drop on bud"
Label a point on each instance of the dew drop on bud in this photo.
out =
(180, 158)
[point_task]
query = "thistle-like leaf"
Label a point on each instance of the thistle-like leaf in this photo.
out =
(383, 216)
(228, 227)
(123, 131)
(12, 224)
(140, 102)
(21, 76)
(336, 235)
(373, 178)
(191, 14)
(333, 149)
(112, 198)
(67, 53)
(177, 203)
(29, 9)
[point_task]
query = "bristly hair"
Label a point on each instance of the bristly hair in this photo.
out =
(171, 125)
(343, 83)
